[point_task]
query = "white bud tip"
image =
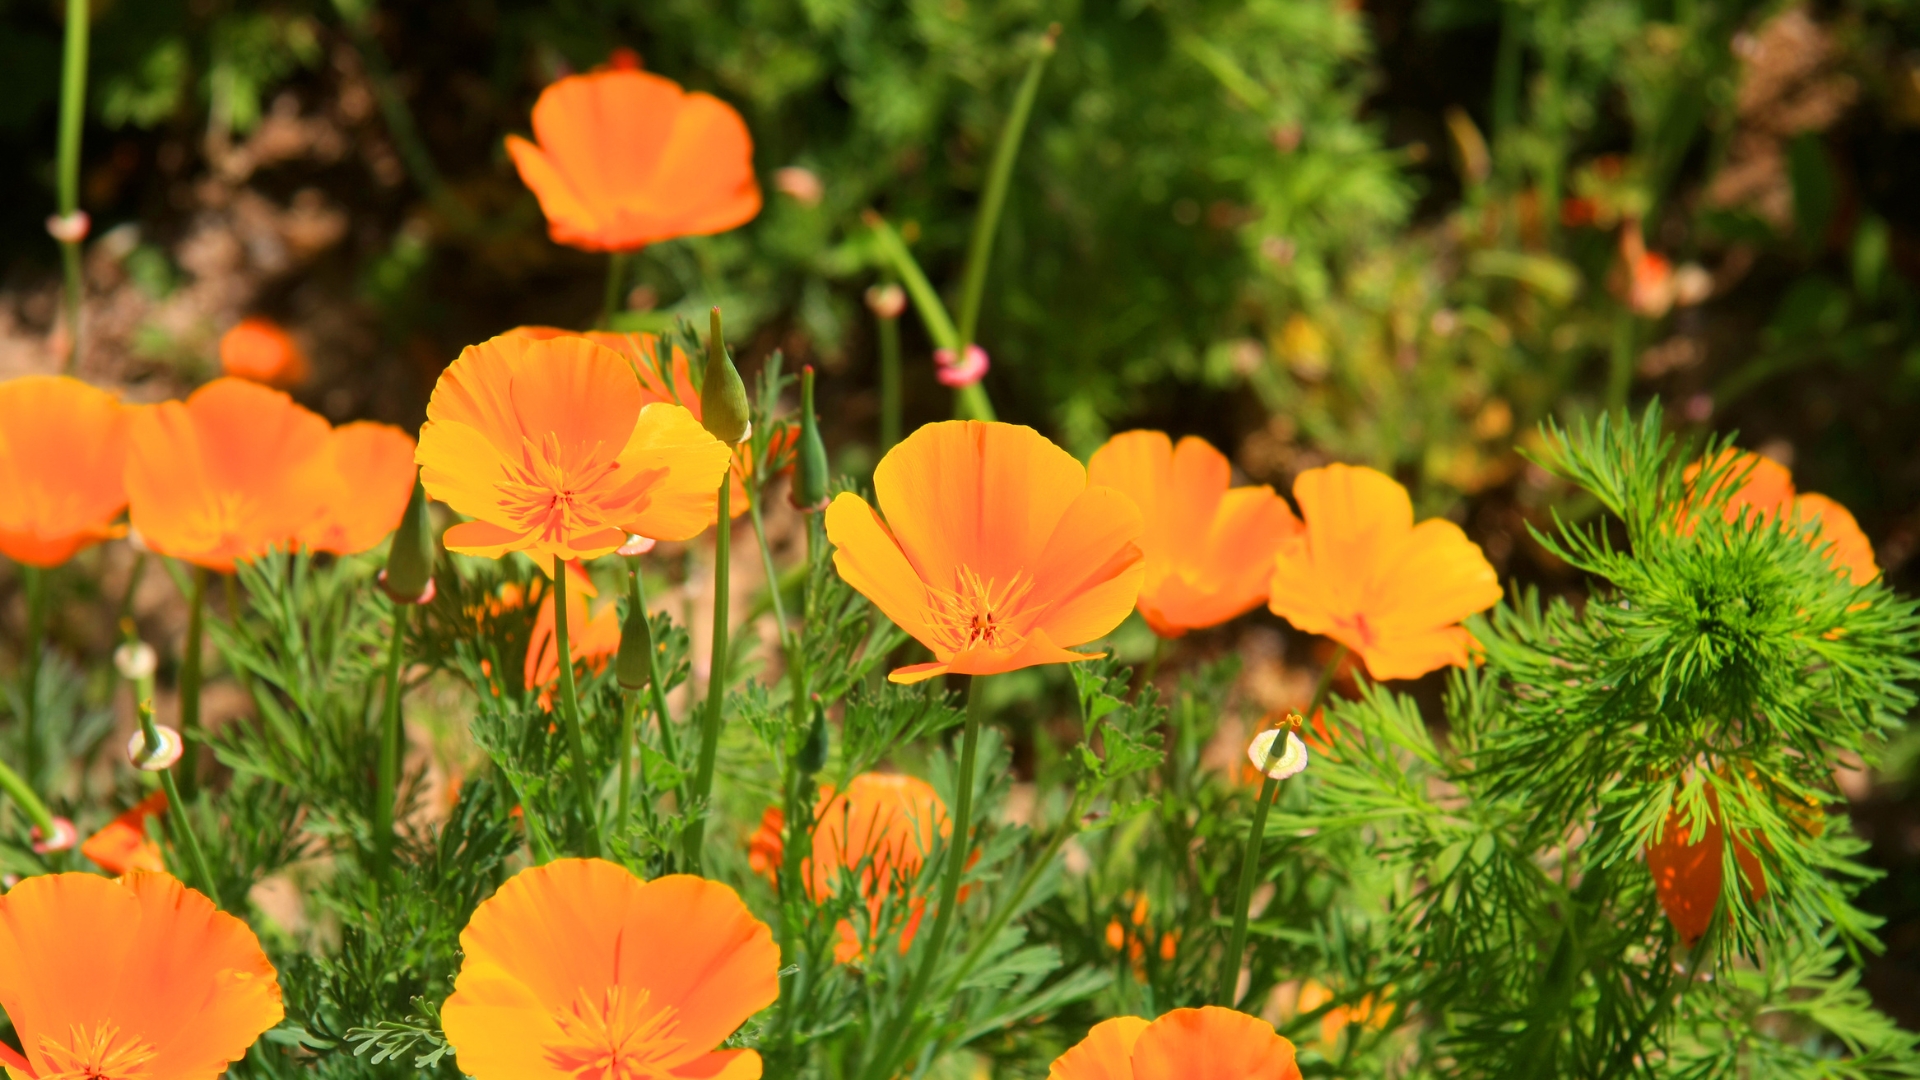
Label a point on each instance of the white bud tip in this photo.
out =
(169, 751)
(136, 661)
(1292, 760)
(63, 838)
(635, 545)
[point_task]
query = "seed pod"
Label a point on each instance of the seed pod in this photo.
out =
(810, 479)
(409, 572)
(634, 666)
(723, 397)
(813, 755)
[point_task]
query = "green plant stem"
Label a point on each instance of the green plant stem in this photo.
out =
(934, 947)
(617, 263)
(716, 683)
(389, 776)
(178, 820)
(73, 110)
(638, 595)
(1250, 861)
(23, 796)
(190, 682)
(570, 712)
(925, 300)
(627, 705)
(766, 564)
(1153, 662)
(971, 401)
(889, 383)
(35, 581)
(1626, 340)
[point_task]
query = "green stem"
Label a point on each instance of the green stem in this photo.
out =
(29, 803)
(716, 683)
(889, 383)
(1250, 861)
(190, 682)
(570, 712)
(766, 564)
(178, 820)
(999, 177)
(934, 946)
(1153, 662)
(638, 596)
(1001, 917)
(617, 262)
(627, 705)
(925, 300)
(1626, 340)
(73, 110)
(35, 580)
(389, 776)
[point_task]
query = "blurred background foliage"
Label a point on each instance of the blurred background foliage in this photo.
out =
(1398, 232)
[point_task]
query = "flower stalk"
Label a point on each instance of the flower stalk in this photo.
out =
(35, 581)
(570, 712)
(617, 265)
(178, 822)
(190, 680)
(390, 736)
(1250, 862)
(73, 108)
(716, 686)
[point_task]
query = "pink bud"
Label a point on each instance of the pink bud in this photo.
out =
(69, 228)
(169, 751)
(63, 838)
(801, 185)
(966, 373)
(887, 301)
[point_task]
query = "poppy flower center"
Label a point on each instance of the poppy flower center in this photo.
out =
(97, 1054)
(554, 490)
(616, 1038)
(978, 613)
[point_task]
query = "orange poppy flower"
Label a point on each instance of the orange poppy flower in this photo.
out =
(881, 828)
(189, 990)
(233, 472)
(551, 449)
(1766, 490)
(626, 159)
(1365, 575)
(373, 479)
(672, 384)
(122, 844)
(1335, 1021)
(1687, 876)
(63, 454)
(1207, 549)
(579, 968)
(994, 552)
(591, 641)
(1209, 1043)
(261, 350)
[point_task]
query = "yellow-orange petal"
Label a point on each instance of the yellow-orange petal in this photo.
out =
(883, 824)
(1105, 1054)
(260, 350)
(122, 844)
(63, 451)
(236, 470)
(627, 158)
(1850, 552)
(669, 441)
(1088, 576)
(1231, 573)
(978, 495)
(1763, 486)
(868, 558)
(374, 463)
(562, 936)
(1212, 1043)
(190, 983)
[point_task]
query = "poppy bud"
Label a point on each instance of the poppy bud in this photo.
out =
(1290, 762)
(813, 755)
(723, 397)
(167, 751)
(409, 573)
(62, 838)
(634, 666)
(810, 481)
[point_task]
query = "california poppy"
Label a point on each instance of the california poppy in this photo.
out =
(1766, 491)
(233, 472)
(993, 551)
(881, 828)
(122, 844)
(130, 978)
(550, 447)
(1688, 874)
(1209, 1043)
(1207, 549)
(579, 968)
(1365, 575)
(1335, 1021)
(63, 454)
(373, 478)
(626, 158)
(590, 640)
(261, 350)
(671, 382)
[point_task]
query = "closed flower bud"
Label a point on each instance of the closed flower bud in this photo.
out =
(810, 479)
(63, 837)
(813, 755)
(136, 661)
(634, 665)
(170, 747)
(887, 301)
(409, 573)
(1291, 761)
(723, 397)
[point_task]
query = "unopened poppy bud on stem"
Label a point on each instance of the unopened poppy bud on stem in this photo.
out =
(634, 665)
(408, 577)
(1291, 761)
(170, 747)
(723, 397)
(887, 301)
(810, 481)
(136, 661)
(813, 754)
